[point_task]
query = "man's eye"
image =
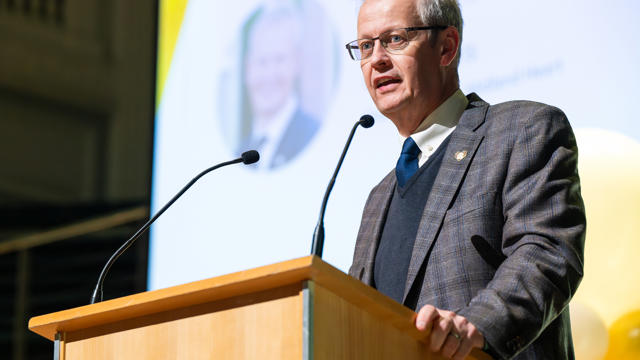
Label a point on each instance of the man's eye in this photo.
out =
(365, 45)
(394, 38)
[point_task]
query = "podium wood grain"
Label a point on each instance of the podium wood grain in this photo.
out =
(297, 309)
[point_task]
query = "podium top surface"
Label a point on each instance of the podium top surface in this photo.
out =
(212, 289)
(263, 278)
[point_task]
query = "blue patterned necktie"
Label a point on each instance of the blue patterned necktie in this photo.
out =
(408, 161)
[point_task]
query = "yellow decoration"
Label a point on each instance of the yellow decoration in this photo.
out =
(169, 24)
(625, 338)
(590, 336)
(610, 176)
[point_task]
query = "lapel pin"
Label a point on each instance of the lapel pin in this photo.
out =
(461, 155)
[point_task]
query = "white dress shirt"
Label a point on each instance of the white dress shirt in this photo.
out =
(433, 130)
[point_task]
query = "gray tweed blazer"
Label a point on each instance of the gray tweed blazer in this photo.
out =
(502, 233)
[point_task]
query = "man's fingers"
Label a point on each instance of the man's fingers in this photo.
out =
(452, 335)
(441, 329)
(469, 335)
(451, 345)
(464, 349)
(426, 315)
(477, 339)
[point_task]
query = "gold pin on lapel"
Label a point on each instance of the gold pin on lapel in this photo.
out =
(461, 155)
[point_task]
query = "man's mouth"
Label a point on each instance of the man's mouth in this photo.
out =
(385, 82)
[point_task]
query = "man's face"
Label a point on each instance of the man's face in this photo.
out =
(405, 87)
(271, 68)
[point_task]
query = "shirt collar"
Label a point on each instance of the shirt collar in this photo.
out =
(435, 128)
(272, 128)
(273, 133)
(446, 115)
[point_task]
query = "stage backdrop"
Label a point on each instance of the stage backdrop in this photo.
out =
(275, 75)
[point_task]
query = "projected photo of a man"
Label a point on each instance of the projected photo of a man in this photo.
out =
(273, 120)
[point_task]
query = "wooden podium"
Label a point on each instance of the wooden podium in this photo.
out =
(297, 309)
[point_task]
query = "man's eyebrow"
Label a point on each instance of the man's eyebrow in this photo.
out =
(363, 36)
(370, 36)
(383, 30)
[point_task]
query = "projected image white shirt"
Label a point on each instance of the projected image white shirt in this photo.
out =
(267, 133)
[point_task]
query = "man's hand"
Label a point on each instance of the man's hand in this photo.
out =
(451, 333)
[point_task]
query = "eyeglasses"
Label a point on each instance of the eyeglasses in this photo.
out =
(393, 41)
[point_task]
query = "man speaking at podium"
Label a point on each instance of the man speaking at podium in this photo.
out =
(480, 227)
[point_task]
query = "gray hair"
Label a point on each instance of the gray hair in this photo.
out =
(441, 12)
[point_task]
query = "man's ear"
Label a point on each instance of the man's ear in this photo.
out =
(450, 40)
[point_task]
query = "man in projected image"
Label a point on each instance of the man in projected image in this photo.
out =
(277, 125)
(480, 227)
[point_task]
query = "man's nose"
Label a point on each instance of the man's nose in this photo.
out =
(379, 57)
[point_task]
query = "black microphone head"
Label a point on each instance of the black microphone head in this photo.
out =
(250, 157)
(366, 121)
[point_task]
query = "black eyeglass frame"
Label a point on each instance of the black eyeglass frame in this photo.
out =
(350, 45)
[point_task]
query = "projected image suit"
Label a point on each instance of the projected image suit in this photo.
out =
(273, 120)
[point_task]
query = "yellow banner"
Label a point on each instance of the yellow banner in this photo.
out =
(169, 24)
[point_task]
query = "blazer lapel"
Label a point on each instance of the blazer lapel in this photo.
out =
(374, 217)
(459, 154)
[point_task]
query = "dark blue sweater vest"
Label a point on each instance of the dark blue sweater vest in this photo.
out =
(401, 226)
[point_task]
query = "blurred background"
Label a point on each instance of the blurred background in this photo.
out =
(76, 120)
(79, 109)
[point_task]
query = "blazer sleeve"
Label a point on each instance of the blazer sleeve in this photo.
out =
(542, 238)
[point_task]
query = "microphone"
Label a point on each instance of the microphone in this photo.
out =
(247, 157)
(318, 235)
